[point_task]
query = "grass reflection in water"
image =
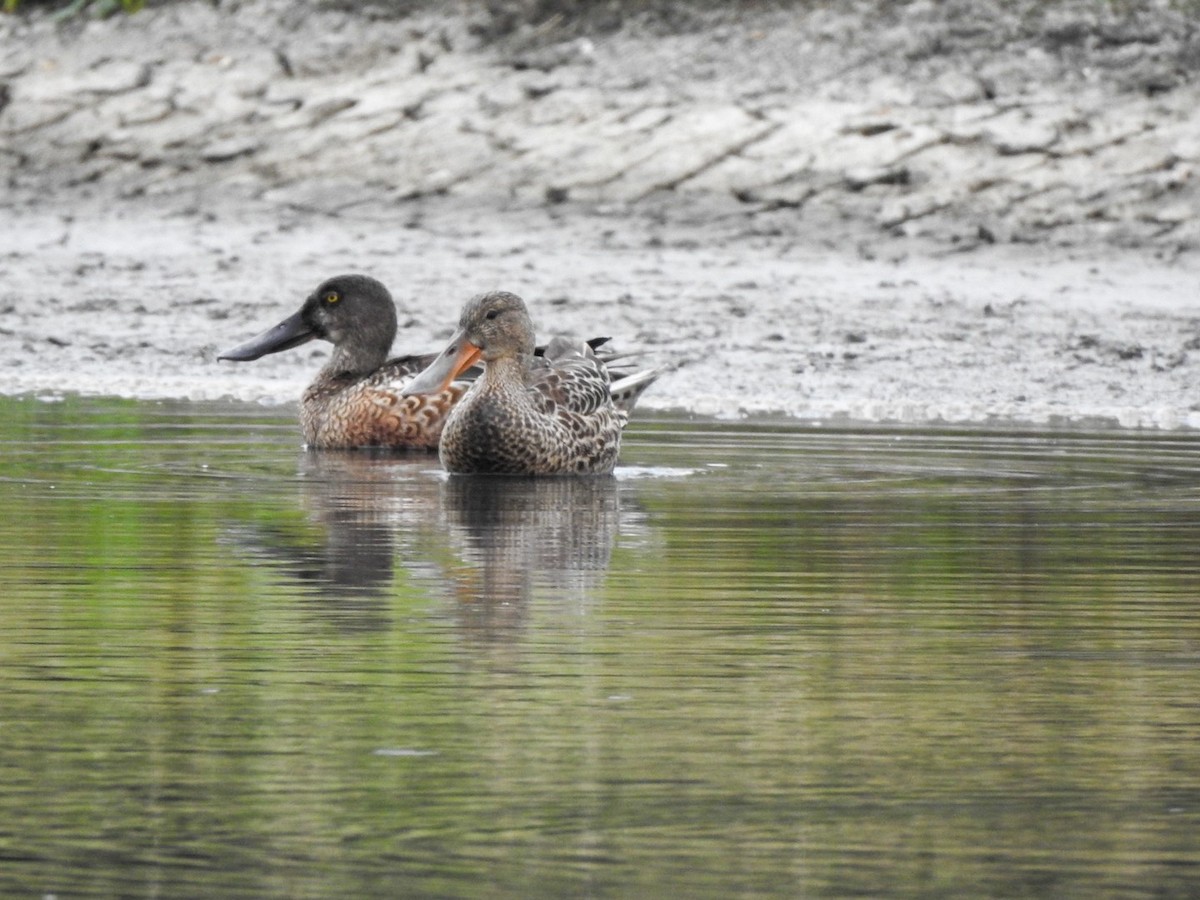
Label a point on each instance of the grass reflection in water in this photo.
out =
(761, 661)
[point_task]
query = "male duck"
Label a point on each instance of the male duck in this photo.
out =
(356, 399)
(557, 414)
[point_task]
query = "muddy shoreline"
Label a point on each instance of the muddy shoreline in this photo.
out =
(1001, 231)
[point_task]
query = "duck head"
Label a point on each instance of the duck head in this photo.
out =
(492, 327)
(355, 313)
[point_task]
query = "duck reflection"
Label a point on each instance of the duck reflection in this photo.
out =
(366, 507)
(513, 535)
(487, 542)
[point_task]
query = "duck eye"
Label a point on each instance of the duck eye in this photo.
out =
(332, 297)
(492, 313)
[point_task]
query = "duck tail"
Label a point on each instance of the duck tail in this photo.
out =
(626, 390)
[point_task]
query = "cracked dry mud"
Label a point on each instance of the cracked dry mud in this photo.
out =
(922, 212)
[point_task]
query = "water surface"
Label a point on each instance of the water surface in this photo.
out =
(762, 661)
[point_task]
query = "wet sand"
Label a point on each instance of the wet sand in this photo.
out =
(887, 245)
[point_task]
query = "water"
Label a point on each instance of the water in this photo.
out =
(762, 661)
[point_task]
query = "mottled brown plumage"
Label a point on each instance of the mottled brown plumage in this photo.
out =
(356, 399)
(526, 415)
(340, 410)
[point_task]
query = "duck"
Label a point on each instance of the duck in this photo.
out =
(356, 400)
(560, 413)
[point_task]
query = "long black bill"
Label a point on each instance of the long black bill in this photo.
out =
(291, 332)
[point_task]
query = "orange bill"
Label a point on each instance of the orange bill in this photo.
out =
(459, 356)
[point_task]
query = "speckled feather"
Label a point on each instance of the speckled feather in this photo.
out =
(526, 415)
(562, 421)
(357, 399)
(345, 410)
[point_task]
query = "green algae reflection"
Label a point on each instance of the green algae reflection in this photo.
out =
(764, 661)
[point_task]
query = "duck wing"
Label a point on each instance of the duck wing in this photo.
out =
(569, 376)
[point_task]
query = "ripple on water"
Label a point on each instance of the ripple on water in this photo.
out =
(763, 659)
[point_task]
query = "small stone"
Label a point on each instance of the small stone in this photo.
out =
(229, 149)
(858, 179)
(111, 77)
(1018, 132)
(959, 87)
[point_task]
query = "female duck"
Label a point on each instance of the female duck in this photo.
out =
(527, 415)
(356, 399)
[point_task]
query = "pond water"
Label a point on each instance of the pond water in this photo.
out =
(764, 660)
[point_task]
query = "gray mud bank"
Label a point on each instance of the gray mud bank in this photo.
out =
(952, 213)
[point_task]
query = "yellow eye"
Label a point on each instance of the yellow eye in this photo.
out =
(333, 297)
